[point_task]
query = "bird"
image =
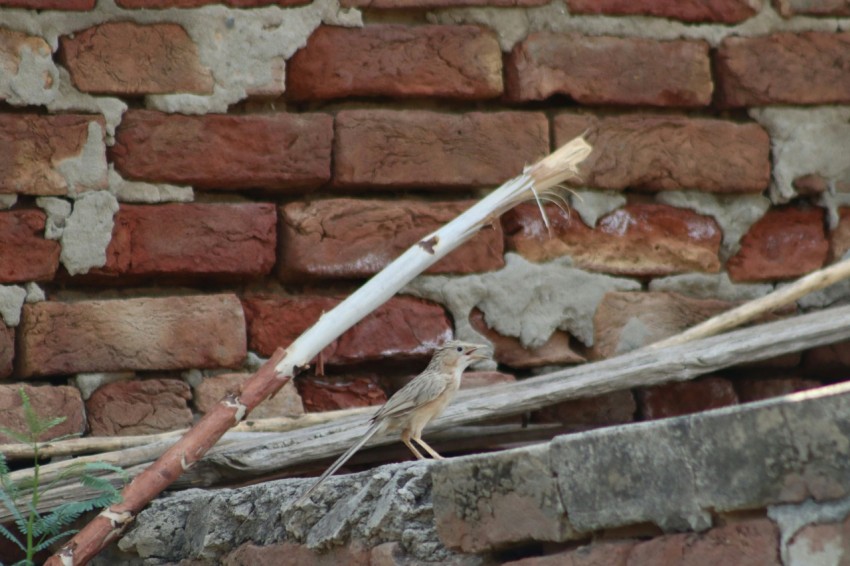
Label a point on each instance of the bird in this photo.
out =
(413, 406)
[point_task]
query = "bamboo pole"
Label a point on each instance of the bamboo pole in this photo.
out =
(108, 525)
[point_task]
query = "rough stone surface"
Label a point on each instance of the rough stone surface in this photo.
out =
(397, 60)
(609, 70)
(148, 406)
(636, 240)
(756, 389)
(208, 239)
(330, 393)
(275, 151)
(660, 152)
(790, 8)
(285, 403)
(509, 351)
(401, 328)
(604, 410)
(719, 11)
(24, 253)
(784, 68)
(126, 58)
(524, 300)
(350, 238)
(48, 401)
(428, 150)
(290, 554)
(27, 72)
(676, 399)
(784, 244)
(495, 500)
(7, 350)
(627, 321)
(131, 334)
(51, 155)
(88, 231)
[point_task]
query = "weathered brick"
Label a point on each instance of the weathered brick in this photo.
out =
(133, 59)
(610, 70)
(602, 553)
(720, 11)
(7, 350)
(12, 46)
(603, 410)
(44, 153)
(50, 4)
(756, 389)
(147, 406)
(638, 239)
(209, 239)
(276, 151)
(509, 351)
(131, 334)
(790, 8)
(656, 152)
(676, 399)
(24, 253)
(431, 150)
(462, 62)
(414, 4)
(784, 68)
(839, 238)
(784, 244)
(285, 403)
(331, 393)
(160, 4)
(402, 327)
(49, 401)
(354, 238)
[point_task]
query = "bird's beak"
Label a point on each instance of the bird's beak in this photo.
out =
(479, 354)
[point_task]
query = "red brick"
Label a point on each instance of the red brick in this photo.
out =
(676, 399)
(610, 70)
(462, 62)
(351, 238)
(720, 11)
(603, 410)
(331, 393)
(36, 147)
(208, 239)
(596, 554)
(414, 4)
(510, 351)
(49, 401)
(291, 554)
(285, 403)
(784, 244)
(133, 59)
(625, 321)
(159, 4)
(276, 151)
(754, 543)
(149, 406)
(784, 68)
(756, 389)
(790, 8)
(831, 361)
(198, 331)
(430, 150)
(638, 239)
(50, 4)
(401, 328)
(661, 152)
(12, 46)
(24, 253)
(7, 350)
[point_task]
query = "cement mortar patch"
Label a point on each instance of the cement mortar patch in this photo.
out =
(526, 300)
(7, 201)
(792, 518)
(86, 171)
(148, 193)
(12, 299)
(36, 80)
(88, 231)
(58, 210)
(593, 205)
(710, 286)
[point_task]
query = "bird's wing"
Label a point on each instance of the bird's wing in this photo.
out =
(423, 389)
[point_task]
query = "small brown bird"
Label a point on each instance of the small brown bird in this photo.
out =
(414, 405)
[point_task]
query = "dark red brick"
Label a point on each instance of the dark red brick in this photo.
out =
(662, 152)
(784, 244)
(351, 238)
(719, 11)
(790, 8)
(420, 4)
(160, 4)
(7, 350)
(756, 389)
(275, 151)
(429, 150)
(610, 70)
(784, 68)
(638, 239)
(50, 4)
(331, 393)
(461, 62)
(24, 253)
(603, 410)
(675, 399)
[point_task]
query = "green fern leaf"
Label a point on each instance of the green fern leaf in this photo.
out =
(9, 535)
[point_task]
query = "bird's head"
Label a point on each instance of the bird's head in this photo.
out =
(456, 353)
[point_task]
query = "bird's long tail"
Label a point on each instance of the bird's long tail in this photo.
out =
(341, 460)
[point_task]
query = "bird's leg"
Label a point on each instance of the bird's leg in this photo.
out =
(427, 448)
(405, 437)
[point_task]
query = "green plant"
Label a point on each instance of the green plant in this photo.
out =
(21, 498)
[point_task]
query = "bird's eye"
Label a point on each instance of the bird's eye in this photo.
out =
(460, 348)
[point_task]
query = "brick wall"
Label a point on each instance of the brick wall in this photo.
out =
(183, 188)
